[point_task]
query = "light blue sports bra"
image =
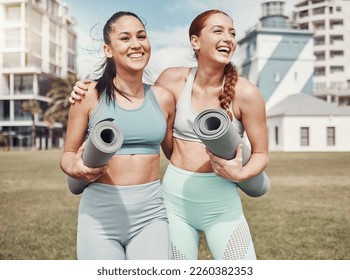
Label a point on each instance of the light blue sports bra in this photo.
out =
(185, 114)
(143, 128)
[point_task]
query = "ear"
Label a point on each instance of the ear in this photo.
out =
(107, 50)
(195, 43)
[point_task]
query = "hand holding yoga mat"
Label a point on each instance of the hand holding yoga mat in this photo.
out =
(213, 127)
(104, 140)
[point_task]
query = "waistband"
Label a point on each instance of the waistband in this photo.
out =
(191, 173)
(125, 194)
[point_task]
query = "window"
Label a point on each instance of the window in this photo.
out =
(44, 85)
(320, 55)
(336, 53)
(71, 61)
(320, 71)
(277, 77)
(336, 38)
(53, 32)
(53, 52)
(5, 90)
(13, 13)
(36, 21)
(337, 69)
(304, 136)
(23, 84)
(19, 114)
(276, 135)
(4, 110)
(71, 42)
(34, 42)
(330, 136)
(319, 41)
(12, 60)
(33, 61)
(13, 38)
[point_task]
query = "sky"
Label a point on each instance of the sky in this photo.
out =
(167, 24)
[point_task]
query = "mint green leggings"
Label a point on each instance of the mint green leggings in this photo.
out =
(205, 202)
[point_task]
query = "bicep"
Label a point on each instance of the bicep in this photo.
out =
(254, 122)
(76, 128)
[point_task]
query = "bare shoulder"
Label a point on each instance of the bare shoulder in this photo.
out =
(172, 76)
(174, 79)
(163, 95)
(247, 93)
(89, 100)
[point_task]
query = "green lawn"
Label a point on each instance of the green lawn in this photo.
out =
(306, 214)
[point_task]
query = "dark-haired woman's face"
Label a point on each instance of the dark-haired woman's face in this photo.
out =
(129, 45)
(217, 40)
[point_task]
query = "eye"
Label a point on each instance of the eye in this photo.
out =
(142, 37)
(233, 34)
(124, 38)
(217, 31)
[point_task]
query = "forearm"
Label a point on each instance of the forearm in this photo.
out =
(66, 163)
(256, 164)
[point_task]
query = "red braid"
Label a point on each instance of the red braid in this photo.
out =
(228, 91)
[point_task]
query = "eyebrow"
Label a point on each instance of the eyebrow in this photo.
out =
(128, 33)
(220, 26)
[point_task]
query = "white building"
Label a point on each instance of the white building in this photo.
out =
(329, 20)
(303, 123)
(276, 57)
(37, 45)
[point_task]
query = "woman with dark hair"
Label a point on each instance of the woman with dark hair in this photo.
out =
(200, 189)
(122, 213)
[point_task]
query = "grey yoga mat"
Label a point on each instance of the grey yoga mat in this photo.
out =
(213, 127)
(104, 140)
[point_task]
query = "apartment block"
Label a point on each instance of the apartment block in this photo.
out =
(329, 21)
(37, 46)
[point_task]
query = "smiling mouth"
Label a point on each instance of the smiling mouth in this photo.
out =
(223, 50)
(135, 55)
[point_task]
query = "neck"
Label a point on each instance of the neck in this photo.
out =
(129, 85)
(209, 76)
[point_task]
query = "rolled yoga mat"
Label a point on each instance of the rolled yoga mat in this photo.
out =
(104, 140)
(214, 128)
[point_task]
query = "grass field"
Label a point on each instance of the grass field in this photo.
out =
(306, 214)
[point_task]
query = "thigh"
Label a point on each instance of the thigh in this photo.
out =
(93, 243)
(151, 243)
(184, 238)
(229, 238)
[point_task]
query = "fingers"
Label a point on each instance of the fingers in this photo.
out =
(80, 150)
(239, 153)
(77, 90)
(71, 100)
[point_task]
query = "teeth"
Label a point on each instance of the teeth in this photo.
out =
(135, 55)
(225, 49)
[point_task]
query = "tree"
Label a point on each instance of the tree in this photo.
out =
(32, 107)
(59, 106)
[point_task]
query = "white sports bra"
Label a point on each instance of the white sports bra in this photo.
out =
(185, 114)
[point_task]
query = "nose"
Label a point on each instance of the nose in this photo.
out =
(227, 36)
(135, 43)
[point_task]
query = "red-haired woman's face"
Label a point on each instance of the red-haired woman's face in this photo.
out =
(217, 39)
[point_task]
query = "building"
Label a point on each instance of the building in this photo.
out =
(329, 20)
(302, 122)
(277, 57)
(37, 46)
